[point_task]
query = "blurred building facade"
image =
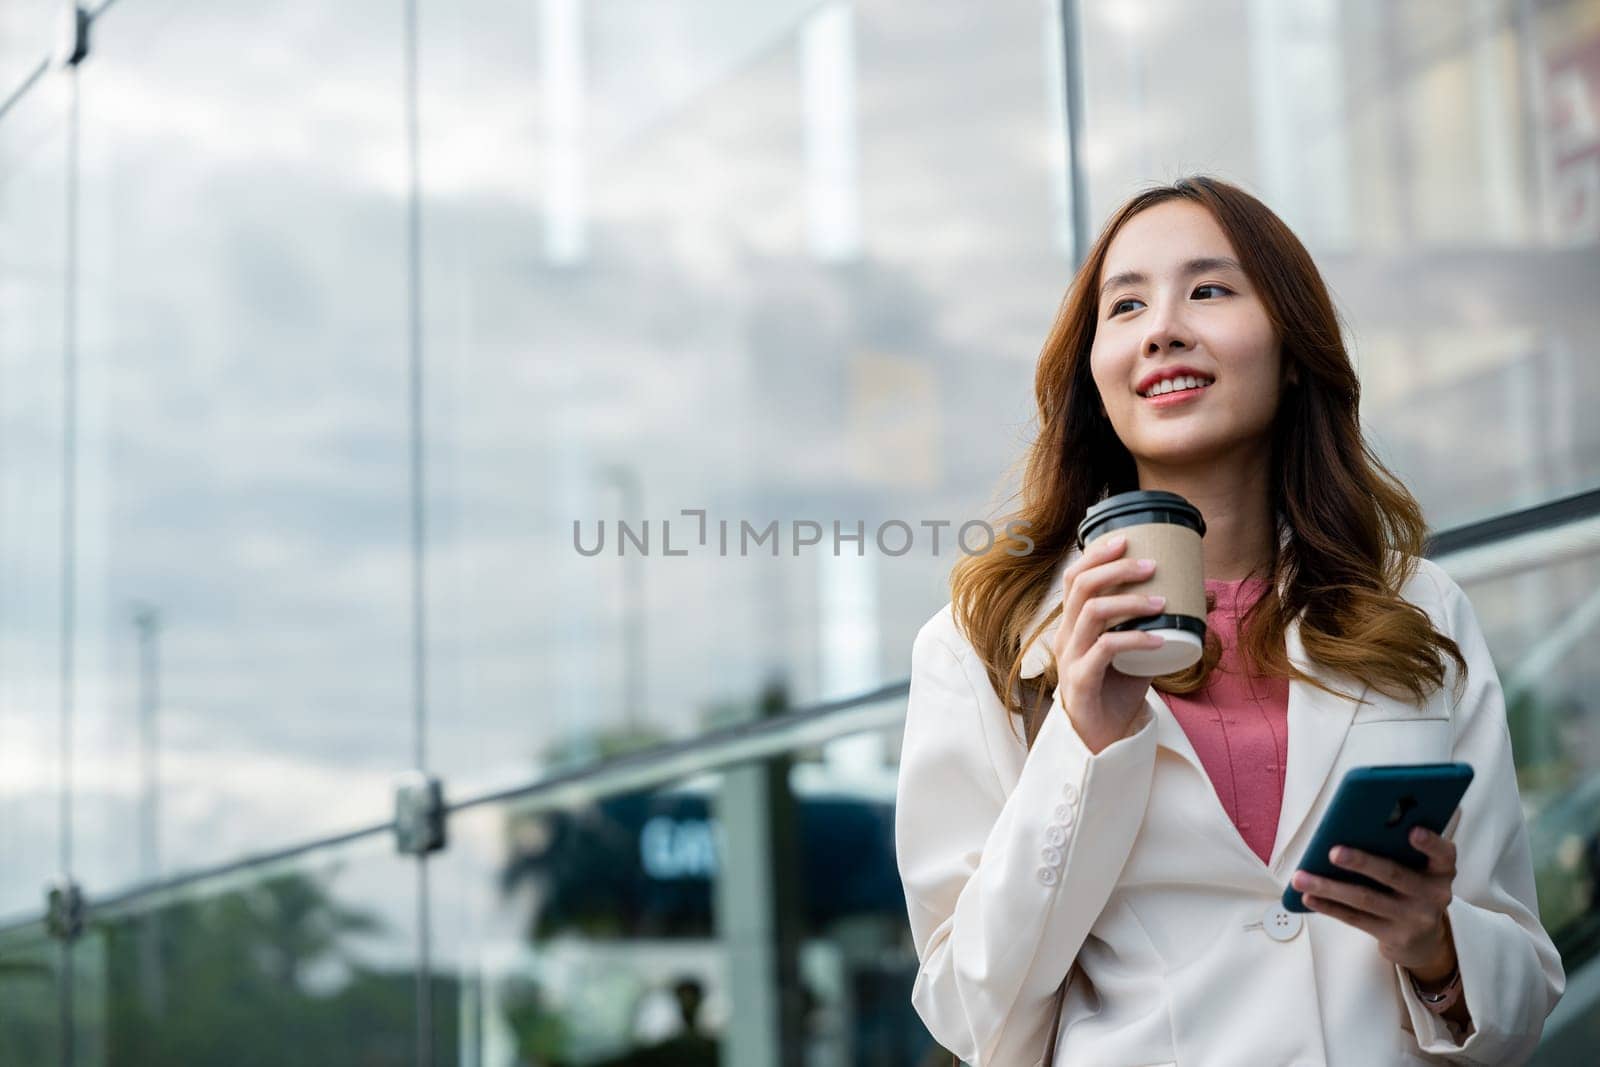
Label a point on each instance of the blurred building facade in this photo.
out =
(335, 337)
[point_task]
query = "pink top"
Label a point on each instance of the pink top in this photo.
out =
(1239, 725)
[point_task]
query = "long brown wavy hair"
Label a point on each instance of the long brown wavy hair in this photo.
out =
(1354, 529)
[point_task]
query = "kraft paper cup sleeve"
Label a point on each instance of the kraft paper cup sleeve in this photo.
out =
(1180, 565)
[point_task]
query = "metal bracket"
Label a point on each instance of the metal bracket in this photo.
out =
(419, 814)
(64, 910)
(72, 39)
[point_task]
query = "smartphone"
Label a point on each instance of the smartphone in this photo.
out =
(1374, 810)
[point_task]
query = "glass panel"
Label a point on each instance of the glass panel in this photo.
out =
(30, 1023)
(563, 946)
(244, 551)
(28, 31)
(314, 960)
(631, 928)
(789, 263)
(33, 159)
(1440, 161)
(1540, 618)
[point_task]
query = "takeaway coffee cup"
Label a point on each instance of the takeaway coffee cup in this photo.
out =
(1168, 529)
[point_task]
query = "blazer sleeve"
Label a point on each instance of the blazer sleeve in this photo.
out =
(1004, 873)
(1511, 974)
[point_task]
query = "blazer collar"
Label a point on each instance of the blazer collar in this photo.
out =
(1318, 720)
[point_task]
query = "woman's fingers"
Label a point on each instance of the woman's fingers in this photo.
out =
(1101, 700)
(1104, 612)
(1441, 851)
(1366, 923)
(1076, 589)
(1376, 902)
(1083, 611)
(1396, 876)
(1098, 659)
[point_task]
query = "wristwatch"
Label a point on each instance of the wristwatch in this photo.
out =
(1445, 999)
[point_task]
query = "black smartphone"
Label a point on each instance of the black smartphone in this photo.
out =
(1374, 810)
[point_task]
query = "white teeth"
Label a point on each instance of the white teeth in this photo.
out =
(1172, 384)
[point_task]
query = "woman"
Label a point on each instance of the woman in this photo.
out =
(1139, 833)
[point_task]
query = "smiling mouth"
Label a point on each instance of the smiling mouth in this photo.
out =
(1159, 392)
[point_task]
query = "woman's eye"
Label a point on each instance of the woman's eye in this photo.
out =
(1120, 306)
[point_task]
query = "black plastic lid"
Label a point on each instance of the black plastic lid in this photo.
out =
(1151, 505)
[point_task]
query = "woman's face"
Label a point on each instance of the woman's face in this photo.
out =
(1176, 312)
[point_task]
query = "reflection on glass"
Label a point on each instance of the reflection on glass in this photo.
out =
(33, 162)
(1435, 160)
(243, 436)
(780, 262)
(306, 963)
(573, 943)
(752, 909)
(1539, 621)
(28, 30)
(30, 1028)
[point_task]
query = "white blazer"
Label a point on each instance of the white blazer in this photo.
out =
(1015, 864)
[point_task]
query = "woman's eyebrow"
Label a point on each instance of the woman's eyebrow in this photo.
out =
(1194, 266)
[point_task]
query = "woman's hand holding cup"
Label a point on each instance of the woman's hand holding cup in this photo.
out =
(1101, 700)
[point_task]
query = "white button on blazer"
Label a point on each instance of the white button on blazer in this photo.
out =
(1184, 952)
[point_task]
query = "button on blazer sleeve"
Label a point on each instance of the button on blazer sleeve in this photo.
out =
(1007, 859)
(1511, 974)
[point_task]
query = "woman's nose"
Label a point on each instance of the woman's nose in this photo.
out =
(1166, 330)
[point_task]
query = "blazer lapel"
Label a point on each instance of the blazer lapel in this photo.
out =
(1318, 722)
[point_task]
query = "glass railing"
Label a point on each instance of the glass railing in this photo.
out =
(1534, 579)
(645, 925)
(30, 996)
(629, 911)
